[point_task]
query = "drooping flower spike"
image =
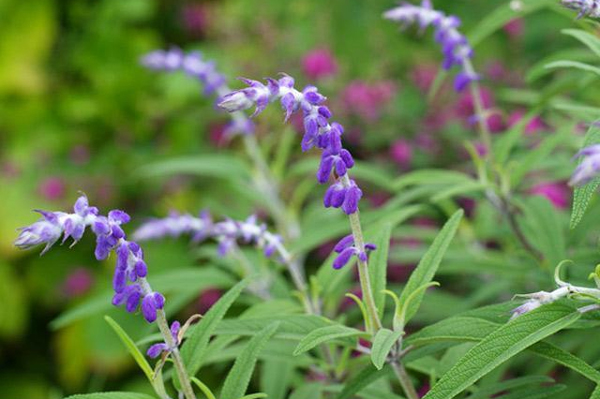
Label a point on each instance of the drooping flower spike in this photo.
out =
(589, 168)
(590, 8)
(455, 46)
(129, 281)
(195, 66)
(318, 132)
(226, 233)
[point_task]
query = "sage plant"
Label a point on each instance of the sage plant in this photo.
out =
(590, 8)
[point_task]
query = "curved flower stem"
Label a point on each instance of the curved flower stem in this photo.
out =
(184, 379)
(484, 132)
(502, 203)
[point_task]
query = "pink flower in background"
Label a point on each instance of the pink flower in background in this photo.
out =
(195, 19)
(52, 188)
(208, 298)
(496, 71)
(10, 169)
(401, 152)
(514, 28)
(80, 154)
(367, 99)
(319, 63)
(216, 134)
(378, 199)
(557, 193)
(495, 122)
(423, 76)
(535, 124)
(78, 283)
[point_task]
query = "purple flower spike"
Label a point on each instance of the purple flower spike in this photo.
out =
(129, 279)
(589, 8)
(227, 232)
(589, 168)
(455, 47)
(318, 132)
(194, 65)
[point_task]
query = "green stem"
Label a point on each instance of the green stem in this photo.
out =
(363, 269)
(405, 381)
(484, 132)
(163, 326)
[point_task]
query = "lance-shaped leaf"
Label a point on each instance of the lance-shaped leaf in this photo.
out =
(502, 344)
(382, 345)
(326, 334)
(238, 378)
(112, 395)
(428, 265)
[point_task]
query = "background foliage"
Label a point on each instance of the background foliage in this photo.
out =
(79, 113)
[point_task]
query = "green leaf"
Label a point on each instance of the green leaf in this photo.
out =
(378, 265)
(488, 391)
(560, 356)
(502, 344)
(590, 40)
(429, 264)
(292, 326)
(362, 380)
(583, 194)
(195, 345)
(237, 380)
(326, 334)
(255, 396)
(500, 16)
(430, 177)
(132, 348)
(275, 378)
(574, 64)
(596, 393)
(382, 345)
(111, 395)
(209, 165)
(543, 228)
(535, 393)
(205, 390)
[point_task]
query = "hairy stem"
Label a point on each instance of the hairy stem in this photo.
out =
(184, 379)
(484, 132)
(405, 381)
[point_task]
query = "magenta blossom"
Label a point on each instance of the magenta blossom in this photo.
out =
(557, 193)
(401, 153)
(78, 283)
(367, 99)
(52, 188)
(423, 76)
(319, 63)
(534, 125)
(207, 299)
(514, 28)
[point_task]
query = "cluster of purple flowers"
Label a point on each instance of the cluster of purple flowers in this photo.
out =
(195, 66)
(585, 7)
(129, 282)
(455, 46)
(319, 132)
(346, 249)
(227, 232)
(589, 167)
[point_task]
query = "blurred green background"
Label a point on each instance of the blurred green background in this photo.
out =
(78, 113)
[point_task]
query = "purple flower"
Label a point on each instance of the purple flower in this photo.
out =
(346, 250)
(455, 47)
(588, 168)
(318, 131)
(129, 280)
(589, 8)
(155, 350)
